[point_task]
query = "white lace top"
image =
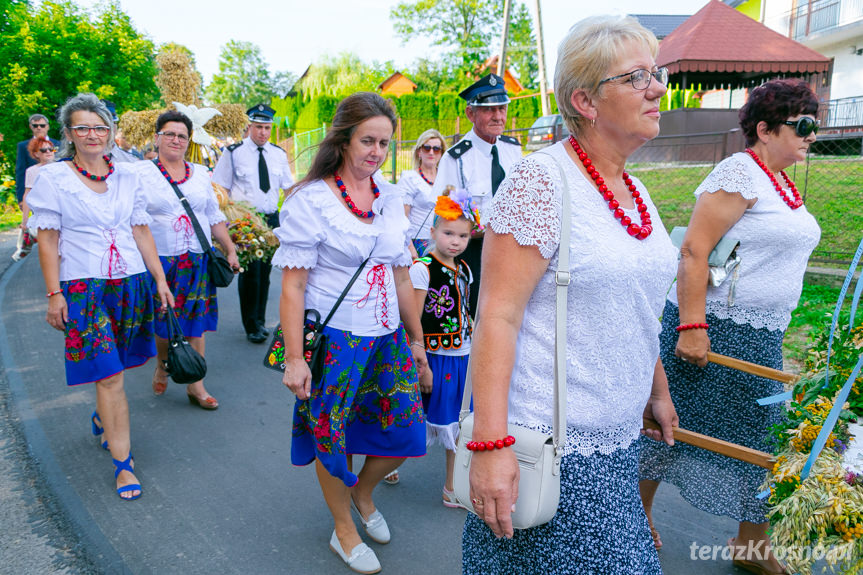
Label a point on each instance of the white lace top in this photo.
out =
(614, 302)
(172, 229)
(316, 231)
(417, 194)
(95, 229)
(775, 244)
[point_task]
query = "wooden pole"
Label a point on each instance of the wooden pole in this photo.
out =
(753, 368)
(501, 60)
(732, 450)
(540, 58)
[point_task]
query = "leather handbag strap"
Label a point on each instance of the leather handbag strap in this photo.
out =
(202, 239)
(562, 280)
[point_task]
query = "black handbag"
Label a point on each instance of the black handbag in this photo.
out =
(220, 271)
(184, 365)
(314, 340)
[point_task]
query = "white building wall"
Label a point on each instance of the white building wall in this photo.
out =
(847, 78)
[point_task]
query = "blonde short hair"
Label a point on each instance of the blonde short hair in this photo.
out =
(425, 137)
(587, 53)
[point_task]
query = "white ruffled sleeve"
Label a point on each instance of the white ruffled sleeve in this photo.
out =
(300, 232)
(527, 206)
(730, 175)
(140, 216)
(408, 188)
(43, 200)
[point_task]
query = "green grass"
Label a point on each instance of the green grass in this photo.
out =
(812, 316)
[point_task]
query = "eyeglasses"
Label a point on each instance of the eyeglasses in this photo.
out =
(426, 148)
(803, 126)
(172, 135)
(38, 125)
(641, 78)
(46, 150)
(84, 131)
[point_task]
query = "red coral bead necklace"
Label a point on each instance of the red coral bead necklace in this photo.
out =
(341, 185)
(168, 176)
(423, 176)
(793, 204)
(633, 229)
(93, 177)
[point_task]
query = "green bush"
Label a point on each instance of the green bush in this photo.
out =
(320, 110)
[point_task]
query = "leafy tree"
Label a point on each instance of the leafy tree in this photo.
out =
(50, 53)
(244, 77)
(342, 75)
(521, 47)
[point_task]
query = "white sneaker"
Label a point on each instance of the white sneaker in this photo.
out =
(375, 526)
(362, 558)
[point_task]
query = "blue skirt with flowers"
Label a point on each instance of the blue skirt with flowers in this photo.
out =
(367, 402)
(194, 295)
(110, 326)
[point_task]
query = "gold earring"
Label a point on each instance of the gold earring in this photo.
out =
(593, 122)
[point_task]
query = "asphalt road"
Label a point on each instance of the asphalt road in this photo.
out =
(220, 494)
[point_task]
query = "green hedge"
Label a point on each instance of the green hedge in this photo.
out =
(318, 111)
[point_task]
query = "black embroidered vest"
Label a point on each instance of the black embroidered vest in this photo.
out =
(445, 312)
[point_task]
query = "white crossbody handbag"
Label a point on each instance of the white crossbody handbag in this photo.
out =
(538, 453)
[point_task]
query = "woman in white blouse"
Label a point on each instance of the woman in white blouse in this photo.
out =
(42, 150)
(621, 265)
(95, 248)
(368, 400)
(749, 198)
(183, 258)
(416, 188)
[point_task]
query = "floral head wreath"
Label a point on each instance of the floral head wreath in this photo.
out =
(454, 204)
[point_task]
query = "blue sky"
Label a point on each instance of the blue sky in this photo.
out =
(294, 33)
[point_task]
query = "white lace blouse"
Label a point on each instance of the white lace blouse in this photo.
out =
(614, 302)
(95, 229)
(775, 244)
(317, 232)
(172, 229)
(417, 194)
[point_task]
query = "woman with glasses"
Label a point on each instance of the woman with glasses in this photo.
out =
(621, 265)
(95, 248)
(417, 185)
(41, 149)
(183, 258)
(749, 198)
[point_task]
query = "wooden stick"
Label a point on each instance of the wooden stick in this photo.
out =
(739, 452)
(753, 368)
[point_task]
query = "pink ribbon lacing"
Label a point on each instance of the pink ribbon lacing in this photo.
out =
(116, 263)
(184, 225)
(377, 276)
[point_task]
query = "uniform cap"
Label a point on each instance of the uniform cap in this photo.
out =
(487, 91)
(261, 113)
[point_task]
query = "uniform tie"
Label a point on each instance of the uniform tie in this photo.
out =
(497, 173)
(263, 173)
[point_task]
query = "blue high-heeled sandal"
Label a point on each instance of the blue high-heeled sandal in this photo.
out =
(98, 430)
(126, 465)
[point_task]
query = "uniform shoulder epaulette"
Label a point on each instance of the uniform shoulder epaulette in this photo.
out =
(279, 148)
(509, 140)
(459, 149)
(233, 147)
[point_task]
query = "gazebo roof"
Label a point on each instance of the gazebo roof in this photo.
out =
(720, 46)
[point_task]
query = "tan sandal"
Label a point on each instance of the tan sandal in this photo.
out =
(392, 478)
(160, 385)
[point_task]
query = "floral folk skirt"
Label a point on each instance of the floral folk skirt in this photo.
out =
(421, 246)
(443, 404)
(194, 295)
(719, 402)
(600, 527)
(110, 326)
(367, 403)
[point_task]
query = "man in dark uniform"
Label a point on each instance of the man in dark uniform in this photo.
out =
(480, 161)
(23, 160)
(254, 171)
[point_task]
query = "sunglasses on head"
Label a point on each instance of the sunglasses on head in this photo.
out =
(426, 148)
(39, 125)
(803, 126)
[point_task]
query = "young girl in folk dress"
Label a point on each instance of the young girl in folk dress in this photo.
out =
(441, 281)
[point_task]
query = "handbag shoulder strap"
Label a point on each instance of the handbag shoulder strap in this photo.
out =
(562, 280)
(202, 239)
(345, 292)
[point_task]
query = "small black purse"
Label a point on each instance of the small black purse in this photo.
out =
(184, 365)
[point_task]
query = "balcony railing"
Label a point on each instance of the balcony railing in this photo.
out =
(815, 17)
(841, 113)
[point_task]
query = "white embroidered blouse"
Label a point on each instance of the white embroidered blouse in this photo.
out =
(317, 232)
(417, 194)
(614, 302)
(775, 244)
(95, 229)
(172, 228)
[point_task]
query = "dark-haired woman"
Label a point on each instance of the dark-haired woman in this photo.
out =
(368, 400)
(183, 258)
(747, 197)
(95, 248)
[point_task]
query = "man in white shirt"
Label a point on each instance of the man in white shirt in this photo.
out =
(253, 171)
(480, 161)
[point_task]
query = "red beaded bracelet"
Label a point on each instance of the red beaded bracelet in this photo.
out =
(53, 293)
(686, 326)
(490, 445)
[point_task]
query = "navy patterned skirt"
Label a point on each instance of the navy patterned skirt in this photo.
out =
(599, 529)
(719, 402)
